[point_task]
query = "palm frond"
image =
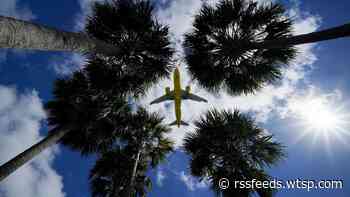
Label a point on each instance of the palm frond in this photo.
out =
(145, 49)
(218, 49)
(229, 144)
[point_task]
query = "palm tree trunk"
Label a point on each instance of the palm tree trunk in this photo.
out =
(133, 175)
(328, 34)
(21, 34)
(18, 161)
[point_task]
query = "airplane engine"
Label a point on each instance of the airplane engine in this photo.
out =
(167, 90)
(188, 89)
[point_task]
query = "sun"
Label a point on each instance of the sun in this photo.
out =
(317, 115)
(322, 120)
(320, 114)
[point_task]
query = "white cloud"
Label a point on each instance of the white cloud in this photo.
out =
(20, 117)
(192, 183)
(265, 104)
(313, 101)
(66, 64)
(179, 17)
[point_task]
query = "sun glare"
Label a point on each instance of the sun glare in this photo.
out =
(319, 113)
(318, 116)
(322, 119)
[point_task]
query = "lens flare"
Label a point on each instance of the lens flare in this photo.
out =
(323, 118)
(318, 116)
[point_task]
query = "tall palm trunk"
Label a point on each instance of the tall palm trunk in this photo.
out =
(328, 34)
(133, 175)
(21, 34)
(18, 161)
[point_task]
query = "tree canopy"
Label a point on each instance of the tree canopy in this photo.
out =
(229, 144)
(145, 48)
(219, 49)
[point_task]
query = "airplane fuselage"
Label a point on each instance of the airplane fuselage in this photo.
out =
(177, 96)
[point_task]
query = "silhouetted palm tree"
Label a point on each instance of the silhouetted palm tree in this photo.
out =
(111, 173)
(145, 135)
(230, 145)
(85, 104)
(19, 34)
(239, 45)
(122, 172)
(145, 49)
(83, 112)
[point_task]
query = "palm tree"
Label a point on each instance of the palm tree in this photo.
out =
(121, 172)
(239, 45)
(230, 145)
(146, 136)
(109, 176)
(19, 34)
(145, 48)
(80, 117)
(85, 104)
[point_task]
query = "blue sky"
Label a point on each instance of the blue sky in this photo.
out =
(318, 74)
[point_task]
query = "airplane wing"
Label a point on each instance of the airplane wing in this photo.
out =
(181, 123)
(186, 95)
(166, 97)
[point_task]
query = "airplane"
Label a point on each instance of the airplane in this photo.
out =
(177, 95)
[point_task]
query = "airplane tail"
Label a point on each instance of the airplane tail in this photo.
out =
(181, 123)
